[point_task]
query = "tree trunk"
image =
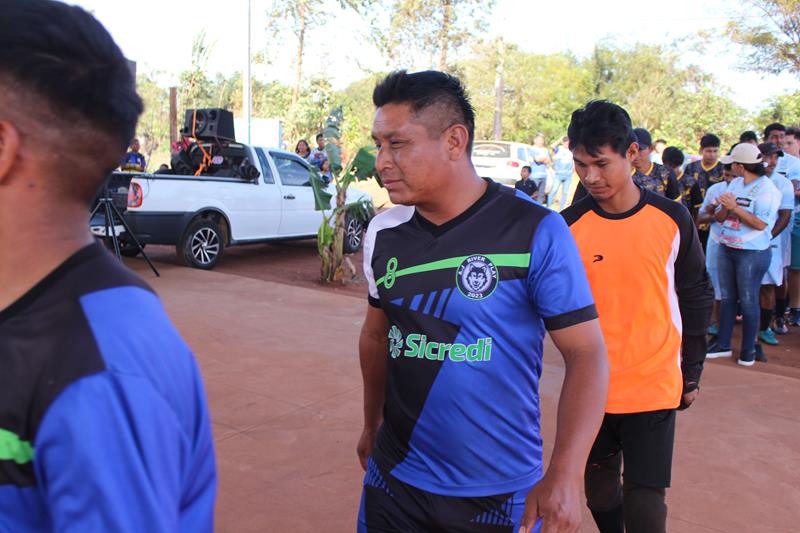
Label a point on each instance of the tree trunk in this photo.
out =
(444, 32)
(499, 90)
(301, 37)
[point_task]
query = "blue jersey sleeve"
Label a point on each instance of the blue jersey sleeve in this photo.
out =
(557, 283)
(110, 455)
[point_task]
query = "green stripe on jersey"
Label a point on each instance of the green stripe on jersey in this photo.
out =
(12, 448)
(499, 260)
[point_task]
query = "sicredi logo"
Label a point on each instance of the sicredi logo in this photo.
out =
(418, 346)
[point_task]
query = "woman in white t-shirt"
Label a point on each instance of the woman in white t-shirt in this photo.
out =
(747, 211)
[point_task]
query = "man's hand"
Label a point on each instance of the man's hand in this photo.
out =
(688, 399)
(556, 499)
(366, 443)
(728, 201)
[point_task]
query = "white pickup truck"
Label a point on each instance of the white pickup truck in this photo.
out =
(202, 215)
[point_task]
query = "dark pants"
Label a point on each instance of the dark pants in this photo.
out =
(740, 274)
(636, 505)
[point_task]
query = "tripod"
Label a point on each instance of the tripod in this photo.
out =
(109, 210)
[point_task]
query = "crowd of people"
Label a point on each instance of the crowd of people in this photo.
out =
(748, 226)
(317, 156)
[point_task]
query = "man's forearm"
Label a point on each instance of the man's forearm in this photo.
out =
(580, 409)
(372, 355)
(784, 217)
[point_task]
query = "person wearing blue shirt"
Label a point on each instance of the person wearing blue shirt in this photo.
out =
(104, 424)
(465, 277)
(540, 158)
(748, 211)
(563, 167)
(133, 160)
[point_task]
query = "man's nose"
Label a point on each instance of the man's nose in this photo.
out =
(383, 160)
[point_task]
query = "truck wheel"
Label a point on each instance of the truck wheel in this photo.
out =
(202, 244)
(353, 235)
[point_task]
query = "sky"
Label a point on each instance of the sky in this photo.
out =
(158, 36)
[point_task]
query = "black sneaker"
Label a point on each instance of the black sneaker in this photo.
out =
(747, 359)
(780, 326)
(761, 357)
(716, 351)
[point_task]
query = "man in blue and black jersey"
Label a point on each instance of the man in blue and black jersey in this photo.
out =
(103, 418)
(465, 277)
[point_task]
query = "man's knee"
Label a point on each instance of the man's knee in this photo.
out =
(603, 484)
(645, 508)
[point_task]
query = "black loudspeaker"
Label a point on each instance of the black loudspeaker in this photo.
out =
(209, 124)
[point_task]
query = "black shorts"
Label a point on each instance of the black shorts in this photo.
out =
(389, 505)
(645, 440)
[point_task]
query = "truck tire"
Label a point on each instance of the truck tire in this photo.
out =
(202, 244)
(353, 234)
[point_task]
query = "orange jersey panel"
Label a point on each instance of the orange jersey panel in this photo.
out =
(630, 263)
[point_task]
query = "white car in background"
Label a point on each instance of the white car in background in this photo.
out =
(502, 161)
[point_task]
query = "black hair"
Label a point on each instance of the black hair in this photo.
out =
(755, 168)
(297, 146)
(672, 157)
(319, 136)
(63, 55)
(422, 90)
(528, 167)
(709, 140)
(728, 167)
(748, 136)
(775, 126)
(601, 123)
(794, 132)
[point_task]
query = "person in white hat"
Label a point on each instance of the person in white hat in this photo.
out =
(747, 211)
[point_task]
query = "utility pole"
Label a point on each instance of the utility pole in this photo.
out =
(173, 115)
(247, 85)
(499, 89)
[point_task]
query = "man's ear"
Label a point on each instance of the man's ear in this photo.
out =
(633, 151)
(9, 148)
(457, 141)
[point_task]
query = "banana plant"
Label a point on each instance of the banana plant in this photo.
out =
(330, 237)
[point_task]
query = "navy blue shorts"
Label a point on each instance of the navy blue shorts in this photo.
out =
(389, 505)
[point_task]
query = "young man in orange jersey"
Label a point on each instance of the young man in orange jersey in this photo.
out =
(648, 277)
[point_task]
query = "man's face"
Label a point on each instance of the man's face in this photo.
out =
(538, 141)
(409, 158)
(642, 161)
(606, 173)
(321, 143)
(772, 161)
(776, 137)
(728, 175)
(135, 146)
(710, 154)
(660, 147)
(524, 173)
(791, 145)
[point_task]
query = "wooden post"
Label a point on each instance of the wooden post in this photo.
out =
(173, 115)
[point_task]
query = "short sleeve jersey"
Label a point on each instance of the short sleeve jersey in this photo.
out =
(563, 164)
(761, 198)
(103, 418)
(527, 186)
(784, 239)
(539, 170)
(658, 179)
(712, 195)
(789, 167)
(697, 178)
(468, 303)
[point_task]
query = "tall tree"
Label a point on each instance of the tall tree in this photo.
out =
(424, 32)
(770, 34)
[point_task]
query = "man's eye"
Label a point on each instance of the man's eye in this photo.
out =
(397, 143)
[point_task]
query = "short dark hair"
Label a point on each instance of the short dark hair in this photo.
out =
(775, 126)
(728, 167)
(672, 157)
(61, 66)
(66, 56)
(319, 136)
(429, 88)
(756, 168)
(601, 123)
(794, 132)
(528, 167)
(709, 140)
(748, 136)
